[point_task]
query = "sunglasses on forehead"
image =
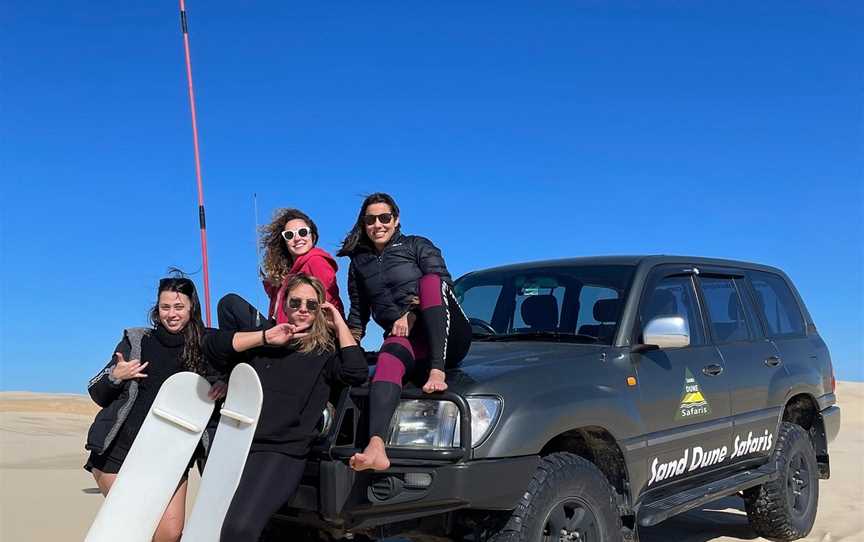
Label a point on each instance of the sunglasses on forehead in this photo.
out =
(179, 281)
(311, 304)
(384, 218)
(289, 234)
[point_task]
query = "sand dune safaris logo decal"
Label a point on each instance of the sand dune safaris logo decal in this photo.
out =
(693, 403)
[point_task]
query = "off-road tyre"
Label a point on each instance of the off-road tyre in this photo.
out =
(784, 509)
(563, 478)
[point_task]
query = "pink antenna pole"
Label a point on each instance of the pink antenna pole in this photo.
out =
(201, 219)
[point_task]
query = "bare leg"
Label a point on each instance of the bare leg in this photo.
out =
(373, 457)
(104, 480)
(171, 525)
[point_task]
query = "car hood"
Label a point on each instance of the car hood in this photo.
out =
(488, 362)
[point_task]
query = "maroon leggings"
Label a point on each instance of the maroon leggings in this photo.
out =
(439, 339)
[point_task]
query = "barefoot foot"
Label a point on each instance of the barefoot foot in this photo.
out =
(374, 457)
(435, 382)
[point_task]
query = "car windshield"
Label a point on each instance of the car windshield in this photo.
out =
(579, 303)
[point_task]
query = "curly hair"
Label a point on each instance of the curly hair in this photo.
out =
(277, 259)
(320, 338)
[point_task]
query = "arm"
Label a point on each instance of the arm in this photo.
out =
(104, 388)
(348, 366)
(221, 346)
(430, 261)
(358, 316)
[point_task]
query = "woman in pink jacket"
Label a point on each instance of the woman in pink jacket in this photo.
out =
(289, 242)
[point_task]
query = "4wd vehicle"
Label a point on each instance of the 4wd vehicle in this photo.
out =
(600, 395)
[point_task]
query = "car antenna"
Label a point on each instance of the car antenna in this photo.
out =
(201, 219)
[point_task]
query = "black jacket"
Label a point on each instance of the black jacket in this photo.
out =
(385, 285)
(296, 387)
(117, 397)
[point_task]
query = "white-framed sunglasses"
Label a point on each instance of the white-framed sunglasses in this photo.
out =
(289, 234)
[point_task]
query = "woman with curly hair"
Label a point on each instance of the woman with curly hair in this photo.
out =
(289, 242)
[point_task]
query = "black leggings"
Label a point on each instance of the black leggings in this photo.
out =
(269, 480)
(236, 314)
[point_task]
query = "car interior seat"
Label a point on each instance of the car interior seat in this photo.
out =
(540, 313)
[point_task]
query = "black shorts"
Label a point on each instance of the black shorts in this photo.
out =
(110, 461)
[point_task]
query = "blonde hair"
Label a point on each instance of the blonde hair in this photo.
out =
(319, 338)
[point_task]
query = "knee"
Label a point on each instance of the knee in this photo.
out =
(228, 300)
(389, 368)
(430, 281)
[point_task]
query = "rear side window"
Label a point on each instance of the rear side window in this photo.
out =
(725, 310)
(777, 304)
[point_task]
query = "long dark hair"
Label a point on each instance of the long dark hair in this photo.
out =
(357, 235)
(277, 258)
(193, 333)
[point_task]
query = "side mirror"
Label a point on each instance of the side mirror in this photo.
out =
(667, 332)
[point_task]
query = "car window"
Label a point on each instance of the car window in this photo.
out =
(552, 298)
(725, 310)
(673, 296)
(777, 305)
(480, 301)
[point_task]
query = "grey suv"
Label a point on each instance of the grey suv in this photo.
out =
(600, 395)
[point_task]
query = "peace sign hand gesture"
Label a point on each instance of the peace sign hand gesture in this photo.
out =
(127, 370)
(282, 334)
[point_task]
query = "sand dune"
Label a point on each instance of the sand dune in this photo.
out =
(45, 495)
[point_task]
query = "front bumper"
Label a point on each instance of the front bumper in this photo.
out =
(332, 495)
(418, 483)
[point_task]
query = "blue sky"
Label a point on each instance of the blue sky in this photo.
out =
(507, 132)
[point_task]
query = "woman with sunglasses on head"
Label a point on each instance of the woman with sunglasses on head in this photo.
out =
(289, 243)
(297, 361)
(127, 387)
(402, 282)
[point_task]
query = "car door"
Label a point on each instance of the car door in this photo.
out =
(751, 360)
(684, 403)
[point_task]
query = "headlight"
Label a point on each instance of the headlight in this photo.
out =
(435, 424)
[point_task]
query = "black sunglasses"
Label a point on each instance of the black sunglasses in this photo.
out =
(289, 234)
(311, 304)
(384, 218)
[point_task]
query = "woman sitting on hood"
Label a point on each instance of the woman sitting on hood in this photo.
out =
(289, 244)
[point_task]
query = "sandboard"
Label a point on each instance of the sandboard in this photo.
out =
(156, 462)
(237, 423)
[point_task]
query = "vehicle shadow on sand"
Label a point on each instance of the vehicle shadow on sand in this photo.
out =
(722, 518)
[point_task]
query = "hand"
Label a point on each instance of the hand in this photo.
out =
(282, 334)
(127, 370)
(402, 327)
(218, 390)
(332, 316)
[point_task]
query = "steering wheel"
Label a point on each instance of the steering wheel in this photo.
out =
(483, 325)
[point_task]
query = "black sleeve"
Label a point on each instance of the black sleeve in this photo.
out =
(103, 388)
(358, 315)
(208, 369)
(429, 259)
(219, 350)
(348, 366)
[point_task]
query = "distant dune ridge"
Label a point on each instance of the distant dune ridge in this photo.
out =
(45, 495)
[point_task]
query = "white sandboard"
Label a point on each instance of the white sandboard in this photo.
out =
(227, 455)
(156, 462)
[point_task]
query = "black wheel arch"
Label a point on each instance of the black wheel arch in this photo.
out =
(803, 410)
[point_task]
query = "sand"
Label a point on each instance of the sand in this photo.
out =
(45, 495)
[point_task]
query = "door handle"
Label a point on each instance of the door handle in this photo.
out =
(773, 361)
(712, 370)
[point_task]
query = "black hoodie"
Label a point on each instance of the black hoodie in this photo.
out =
(296, 387)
